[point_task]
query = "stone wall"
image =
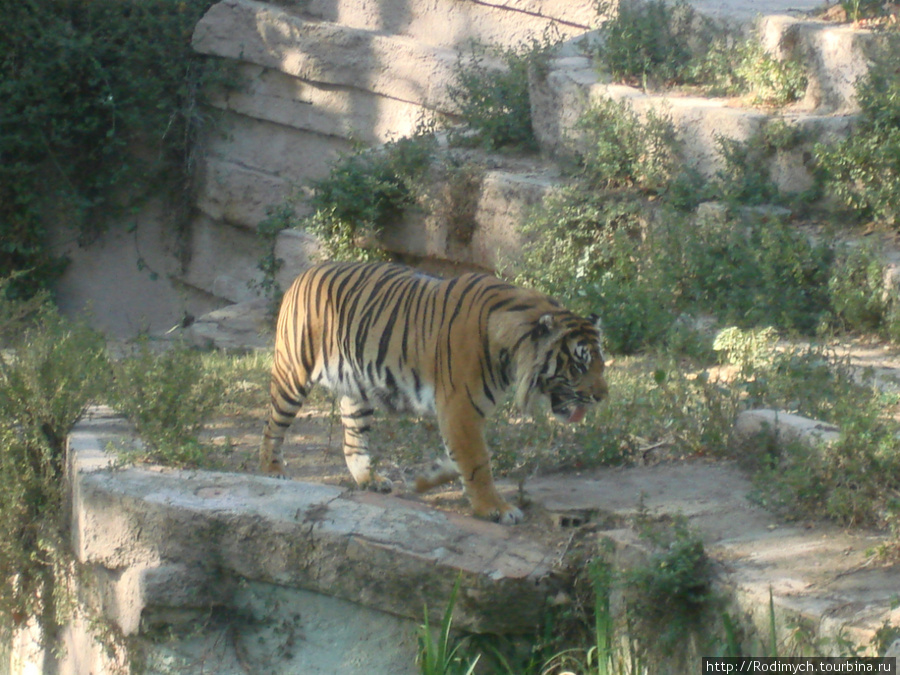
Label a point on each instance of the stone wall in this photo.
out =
(315, 77)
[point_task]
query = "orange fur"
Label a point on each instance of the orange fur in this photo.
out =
(382, 334)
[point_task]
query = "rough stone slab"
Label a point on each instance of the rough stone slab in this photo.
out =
(787, 427)
(224, 260)
(243, 326)
(560, 99)
(482, 228)
(449, 24)
(378, 551)
(393, 66)
(835, 56)
(236, 194)
(253, 165)
(816, 571)
(346, 112)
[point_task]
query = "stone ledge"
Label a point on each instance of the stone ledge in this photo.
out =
(572, 85)
(379, 551)
(393, 66)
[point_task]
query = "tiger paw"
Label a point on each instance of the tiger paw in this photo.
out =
(274, 468)
(503, 513)
(378, 483)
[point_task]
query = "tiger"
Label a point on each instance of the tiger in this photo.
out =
(384, 335)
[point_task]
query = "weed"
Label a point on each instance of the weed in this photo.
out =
(647, 40)
(168, 397)
(642, 270)
(491, 93)
(618, 149)
(51, 371)
(654, 43)
(859, 299)
(365, 192)
(279, 217)
(441, 656)
(862, 172)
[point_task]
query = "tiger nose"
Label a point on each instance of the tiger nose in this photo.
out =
(601, 391)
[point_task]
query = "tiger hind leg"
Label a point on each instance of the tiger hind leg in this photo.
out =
(356, 418)
(286, 397)
(440, 472)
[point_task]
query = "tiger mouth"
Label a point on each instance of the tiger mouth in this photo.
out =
(568, 411)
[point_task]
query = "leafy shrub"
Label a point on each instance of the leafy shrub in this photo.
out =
(618, 149)
(51, 370)
(746, 175)
(648, 40)
(168, 396)
(641, 273)
(99, 103)
(491, 93)
(654, 42)
(364, 192)
(859, 299)
(862, 172)
(669, 595)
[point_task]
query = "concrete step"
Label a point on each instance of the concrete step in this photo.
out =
(835, 57)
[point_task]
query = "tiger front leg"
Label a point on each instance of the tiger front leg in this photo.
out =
(356, 418)
(463, 435)
(287, 392)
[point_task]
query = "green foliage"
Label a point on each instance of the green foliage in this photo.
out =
(49, 372)
(668, 596)
(618, 149)
(168, 396)
(859, 297)
(640, 279)
(98, 104)
(648, 40)
(852, 480)
(657, 43)
(366, 191)
(441, 656)
(491, 93)
(279, 217)
(862, 172)
(746, 175)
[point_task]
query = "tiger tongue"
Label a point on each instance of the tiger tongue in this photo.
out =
(577, 414)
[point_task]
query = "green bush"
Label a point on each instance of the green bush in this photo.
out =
(648, 40)
(364, 192)
(99, 103)
(491, 93)
(641, 271)
(618, 149)
(168, 396)
(862, 172)
(657, 43)
(50, 370)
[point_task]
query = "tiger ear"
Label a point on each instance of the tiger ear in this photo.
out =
(542, 327)
(595, 319)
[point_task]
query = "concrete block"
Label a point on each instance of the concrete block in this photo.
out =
(448, 24)
(836, 56)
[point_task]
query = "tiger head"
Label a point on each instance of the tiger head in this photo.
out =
(563, 362)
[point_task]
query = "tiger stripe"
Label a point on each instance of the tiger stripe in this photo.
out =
(383, 335)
